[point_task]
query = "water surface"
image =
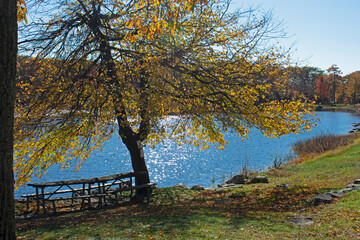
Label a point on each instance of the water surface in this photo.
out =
(170, 164)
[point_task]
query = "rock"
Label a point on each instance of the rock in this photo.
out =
(284, 185)
(197, 187)
(336, 194)
(354, 130)
(322, 198)
(357, 181)
(328, 197)
(353, 186)
(237, 179)
(345, 190)
(259, 179)
(181, 185)
(301, 221)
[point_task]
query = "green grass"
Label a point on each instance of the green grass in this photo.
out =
(257, 211)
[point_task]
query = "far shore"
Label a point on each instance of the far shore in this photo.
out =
(339, 108)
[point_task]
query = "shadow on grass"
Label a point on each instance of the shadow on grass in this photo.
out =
(173, 211)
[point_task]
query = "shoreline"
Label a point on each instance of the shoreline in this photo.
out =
(218, 177)
(338, 108)
(300, 202)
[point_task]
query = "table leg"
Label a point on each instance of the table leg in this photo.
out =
(83, 199)
(43, 199)
(27, 203)
(131, 184)
(100, 198)
(37, 200)
(104, 191)
(89, 200)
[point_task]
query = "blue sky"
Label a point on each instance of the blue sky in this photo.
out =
(325, 32)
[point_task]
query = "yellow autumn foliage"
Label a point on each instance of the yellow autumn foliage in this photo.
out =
(152, 70)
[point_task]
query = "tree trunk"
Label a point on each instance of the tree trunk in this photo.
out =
(8, 52)
(136, 150)
(128, 136)
(131, 140)
(138, 162)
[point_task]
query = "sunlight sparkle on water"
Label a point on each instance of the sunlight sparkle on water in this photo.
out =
(170, 164)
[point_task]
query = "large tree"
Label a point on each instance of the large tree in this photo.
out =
(335, 83)
(8, 52)
(212, 71)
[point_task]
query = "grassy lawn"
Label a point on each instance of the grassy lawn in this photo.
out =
(253, 211)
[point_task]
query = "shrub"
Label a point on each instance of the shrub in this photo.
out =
(322, 143)
(280, 161)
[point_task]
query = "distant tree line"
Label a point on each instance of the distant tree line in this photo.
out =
(324, 87)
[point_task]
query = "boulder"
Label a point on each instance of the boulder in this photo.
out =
(259, 179)
(357, 181)
(328, 197)
(345, 190)
(197, 187)
(237, 179)
(181, 185)
(353, 186)
(322, 198)
(336, 194)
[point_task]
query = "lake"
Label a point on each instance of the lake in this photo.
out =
(170, 164)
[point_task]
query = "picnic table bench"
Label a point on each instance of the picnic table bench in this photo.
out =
(99, 188)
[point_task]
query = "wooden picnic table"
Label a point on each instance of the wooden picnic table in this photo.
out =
(85, 190)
